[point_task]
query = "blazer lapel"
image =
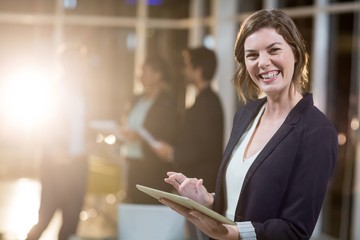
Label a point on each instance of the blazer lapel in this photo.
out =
(239, 127)
(241, 124)
(289, 123)
(269, 147)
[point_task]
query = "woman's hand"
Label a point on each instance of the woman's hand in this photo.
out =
(128, 134)
(192, 188)
(164, 150)
(207, 225)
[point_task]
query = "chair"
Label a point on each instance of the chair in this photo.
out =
(105, 176)
(104, 191)
(138, 221)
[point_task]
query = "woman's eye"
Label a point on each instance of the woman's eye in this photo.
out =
(251, 56)
(274, 50)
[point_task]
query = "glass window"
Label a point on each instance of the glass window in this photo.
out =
(337, 207)
(111, 8)
(294, 3)
(340, 1)
(170, 9)
(28, 6)
(249, 6)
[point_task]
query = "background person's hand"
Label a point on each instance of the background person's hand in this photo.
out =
(164, 151)
(129, 134)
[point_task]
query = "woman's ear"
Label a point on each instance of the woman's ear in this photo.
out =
(159, 76)
(198, 72)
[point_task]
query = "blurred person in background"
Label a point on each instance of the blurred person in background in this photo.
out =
(152, 117)
(199, 148)
(63, 166)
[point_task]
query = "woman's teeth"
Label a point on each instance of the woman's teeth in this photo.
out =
(269, 75)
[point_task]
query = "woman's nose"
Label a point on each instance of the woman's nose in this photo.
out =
(264, 61)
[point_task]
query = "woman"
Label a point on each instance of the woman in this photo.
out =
(282, 149)
(152, 118)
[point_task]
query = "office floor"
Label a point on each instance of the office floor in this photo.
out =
(19, 201)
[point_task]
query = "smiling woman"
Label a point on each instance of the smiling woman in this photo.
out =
(282, 150)
(27, 97)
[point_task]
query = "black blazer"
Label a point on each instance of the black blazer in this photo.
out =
(199, 150)
(284, 188)
(162, 122)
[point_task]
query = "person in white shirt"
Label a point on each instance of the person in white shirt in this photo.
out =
(63, 168)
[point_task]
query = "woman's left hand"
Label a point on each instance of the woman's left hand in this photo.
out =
(207, 225)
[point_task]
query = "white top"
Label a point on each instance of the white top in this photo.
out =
(76, 113)
(71, 109)
(238, 167)
(135, 122)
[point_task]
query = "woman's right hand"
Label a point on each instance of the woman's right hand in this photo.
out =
(129, 134)
(192, 188)
(164, 151)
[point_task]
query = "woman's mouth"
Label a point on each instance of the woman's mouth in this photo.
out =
(269, 75)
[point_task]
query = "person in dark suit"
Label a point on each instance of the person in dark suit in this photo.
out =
(199, 148)
(282, 149)
(153, 113)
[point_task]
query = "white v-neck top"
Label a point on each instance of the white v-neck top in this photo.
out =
(238, 167)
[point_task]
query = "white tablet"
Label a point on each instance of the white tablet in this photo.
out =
(186, 202)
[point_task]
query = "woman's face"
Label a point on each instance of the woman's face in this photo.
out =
(149, 77)
(269, 61)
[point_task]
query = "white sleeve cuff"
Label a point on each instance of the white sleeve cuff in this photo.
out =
(246, 230)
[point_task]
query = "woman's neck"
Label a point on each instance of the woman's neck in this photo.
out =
(152, 93)
(281, 106)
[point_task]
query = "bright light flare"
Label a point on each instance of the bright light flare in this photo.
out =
(20, 214)
(110, 139)
(341, 138)
(355, 124)
(27, 97)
